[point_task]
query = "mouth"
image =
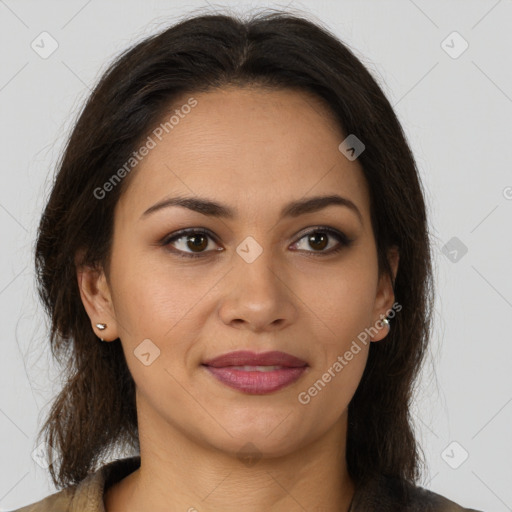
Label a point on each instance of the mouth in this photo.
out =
(247, 358)
(256, 373)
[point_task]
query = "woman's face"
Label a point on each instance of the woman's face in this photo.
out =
(260, 280)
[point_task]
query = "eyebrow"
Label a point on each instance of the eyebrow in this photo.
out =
(293, 209)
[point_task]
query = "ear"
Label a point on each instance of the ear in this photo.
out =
(97, 300)
(385, 295)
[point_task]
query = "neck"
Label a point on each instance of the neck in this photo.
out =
(178, 473)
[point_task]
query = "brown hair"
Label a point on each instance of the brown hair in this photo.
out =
(95, 412)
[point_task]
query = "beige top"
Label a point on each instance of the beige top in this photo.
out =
(381, 496)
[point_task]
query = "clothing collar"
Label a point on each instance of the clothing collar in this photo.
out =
(382, 494)
(89, 493)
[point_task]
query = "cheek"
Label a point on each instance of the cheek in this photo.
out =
(342, 306)
(325, 396)
(155, 316)
(148, 299)
(342, 296)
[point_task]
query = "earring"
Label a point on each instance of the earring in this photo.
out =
(101, 327)
(385, 321)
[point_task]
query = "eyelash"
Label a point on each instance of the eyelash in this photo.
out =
(343, 240)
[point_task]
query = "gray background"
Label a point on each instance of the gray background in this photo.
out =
(456, 113)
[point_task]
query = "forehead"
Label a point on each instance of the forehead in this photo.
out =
(247, 147)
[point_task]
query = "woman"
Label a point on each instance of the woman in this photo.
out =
(236, 263)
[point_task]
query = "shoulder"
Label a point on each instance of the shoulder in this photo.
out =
(389, 494)
(57, 502)
(88, 494)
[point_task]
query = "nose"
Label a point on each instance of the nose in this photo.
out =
(258, 296)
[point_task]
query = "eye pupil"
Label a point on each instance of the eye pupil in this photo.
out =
(314, 236)
(197, 241)
(197, 244)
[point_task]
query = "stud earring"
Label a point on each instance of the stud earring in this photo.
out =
(385, 321)
(101, 327)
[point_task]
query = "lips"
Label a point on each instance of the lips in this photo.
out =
(247, 358)
(256, 374)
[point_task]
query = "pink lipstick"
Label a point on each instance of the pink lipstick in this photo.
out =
(256, 373)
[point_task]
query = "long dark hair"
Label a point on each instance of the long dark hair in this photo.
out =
(95, 412)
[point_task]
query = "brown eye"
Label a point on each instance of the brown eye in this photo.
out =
(318, 240)
(194, 242)
(190, 243)
(197, 242)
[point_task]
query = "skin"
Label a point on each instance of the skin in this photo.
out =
(255, 151)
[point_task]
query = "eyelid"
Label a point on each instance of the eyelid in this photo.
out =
(183, 232)
(324, 229)
(341, 237)
(343, 240)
